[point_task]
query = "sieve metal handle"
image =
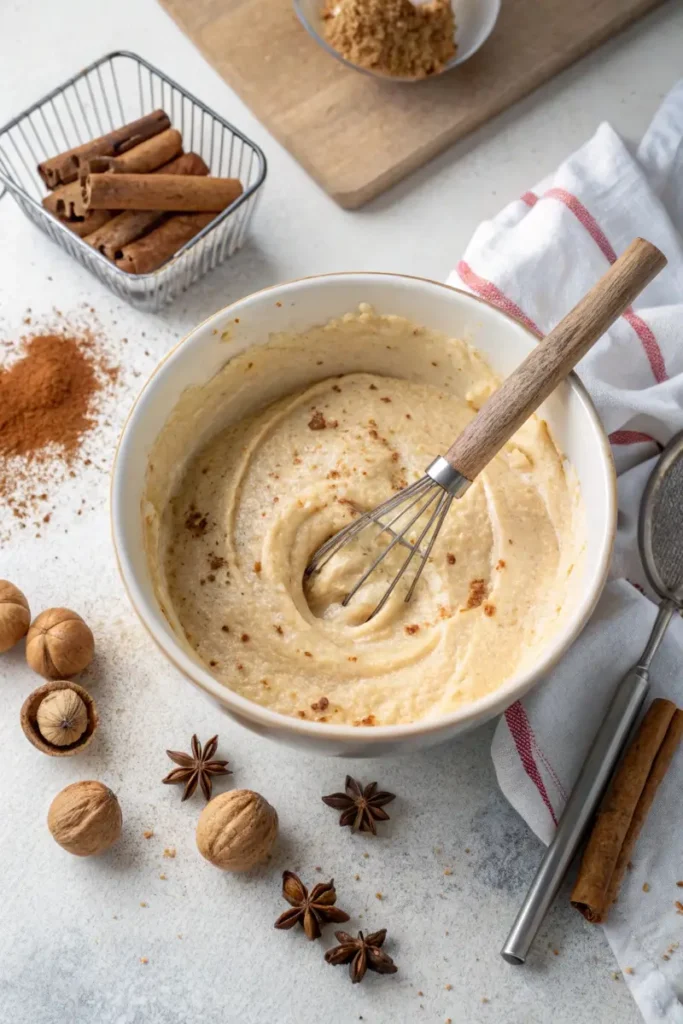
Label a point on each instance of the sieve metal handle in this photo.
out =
(584, 799)
(550, 362)
(585, 796)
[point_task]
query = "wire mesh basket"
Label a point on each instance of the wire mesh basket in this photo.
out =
(112, 91)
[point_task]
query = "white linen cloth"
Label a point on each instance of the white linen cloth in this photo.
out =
(535, 260)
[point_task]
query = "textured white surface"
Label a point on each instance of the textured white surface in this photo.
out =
(73, 931)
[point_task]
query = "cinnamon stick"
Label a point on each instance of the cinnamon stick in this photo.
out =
(61, 169)
(131, 224)
(149, 252)
(174, 192)
(93, 221)
(66, 201)
(143, 158)
(624, 809)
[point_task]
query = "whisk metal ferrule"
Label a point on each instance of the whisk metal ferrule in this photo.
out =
(443, 474)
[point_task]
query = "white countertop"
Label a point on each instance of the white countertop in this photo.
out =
(74, 930)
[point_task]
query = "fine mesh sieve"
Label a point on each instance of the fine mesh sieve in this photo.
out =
(660, 538)
(661, 524)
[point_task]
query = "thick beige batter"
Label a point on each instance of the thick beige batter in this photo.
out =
(265, 490)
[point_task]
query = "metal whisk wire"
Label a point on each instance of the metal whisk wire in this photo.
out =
(449, 476)
(406, 500)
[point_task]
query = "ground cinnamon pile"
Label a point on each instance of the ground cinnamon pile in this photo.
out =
(49, 402)
(392, 37)
(46, 397)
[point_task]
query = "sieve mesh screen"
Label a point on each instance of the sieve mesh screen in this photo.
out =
(667, 526)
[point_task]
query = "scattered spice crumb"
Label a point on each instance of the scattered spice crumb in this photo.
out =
(143, 904)
(484, 999)
(147, 834)
(679, 906)
(245, 638)
(477, 594)
(556, 952)
(357, 877)
(680, 885)
(317, 421)
(448, 871)
(321, 705)
(448, 987)
(450, 558)
(489, 609)
(169, 851)
(366, 855)
(500, 564)
(628, 970)
(379, 896)
(411, 630)
(144, 960)
(646, 887)
(162, 876)
(257, 567)
(616, 976)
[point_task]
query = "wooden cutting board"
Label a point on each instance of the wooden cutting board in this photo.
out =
(356, 135)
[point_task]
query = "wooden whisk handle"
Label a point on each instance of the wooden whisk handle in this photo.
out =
(553, 358)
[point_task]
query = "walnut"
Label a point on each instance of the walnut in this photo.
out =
(59, 718)
(15, 616)
(59, 644)
(62, 717)
(85, 818)
(237, 830)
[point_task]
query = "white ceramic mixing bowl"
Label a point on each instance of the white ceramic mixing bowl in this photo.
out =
(296, 307)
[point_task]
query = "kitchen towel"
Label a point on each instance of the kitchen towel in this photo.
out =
(534, 261)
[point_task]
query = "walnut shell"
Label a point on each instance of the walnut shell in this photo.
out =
(30, 721)
(237, 830)
(85, 818)
(59, 644)
(15, 616)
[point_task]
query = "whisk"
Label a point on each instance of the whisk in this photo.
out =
(422, 507)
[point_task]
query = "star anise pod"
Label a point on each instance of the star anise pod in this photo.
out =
(197, 767)
(313, 911)
(360, 808)
(361, 954)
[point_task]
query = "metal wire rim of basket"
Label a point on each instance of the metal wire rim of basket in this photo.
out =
(83, 117)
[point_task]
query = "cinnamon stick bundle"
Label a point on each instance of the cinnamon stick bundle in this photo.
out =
(66, 201)
(153, 249)
(624, 809)
(62, 169)
(141, 159)
(131, 224)
(174, 192)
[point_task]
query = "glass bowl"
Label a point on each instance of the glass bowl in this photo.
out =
(474, 23)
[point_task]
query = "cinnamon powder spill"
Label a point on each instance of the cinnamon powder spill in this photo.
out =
(47, 397)
(50, 399)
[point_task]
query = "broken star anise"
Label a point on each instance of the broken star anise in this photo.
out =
(361, 954)
(312, 911)
(197, 767)
(360, 808)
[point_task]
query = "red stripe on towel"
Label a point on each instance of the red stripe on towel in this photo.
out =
(630, 437)
(530, 198)
(487, 290)
(585, 217)
(523, 737)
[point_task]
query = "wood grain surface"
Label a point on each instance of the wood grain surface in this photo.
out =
(522, 392)
(356, 135)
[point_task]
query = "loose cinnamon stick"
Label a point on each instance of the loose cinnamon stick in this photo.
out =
(593, 891)
(131, 224)
(153, 249)
(659, 769)
(147, 156)
(174, 192)
(61, 169)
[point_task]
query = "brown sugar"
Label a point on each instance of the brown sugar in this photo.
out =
(392, 37)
